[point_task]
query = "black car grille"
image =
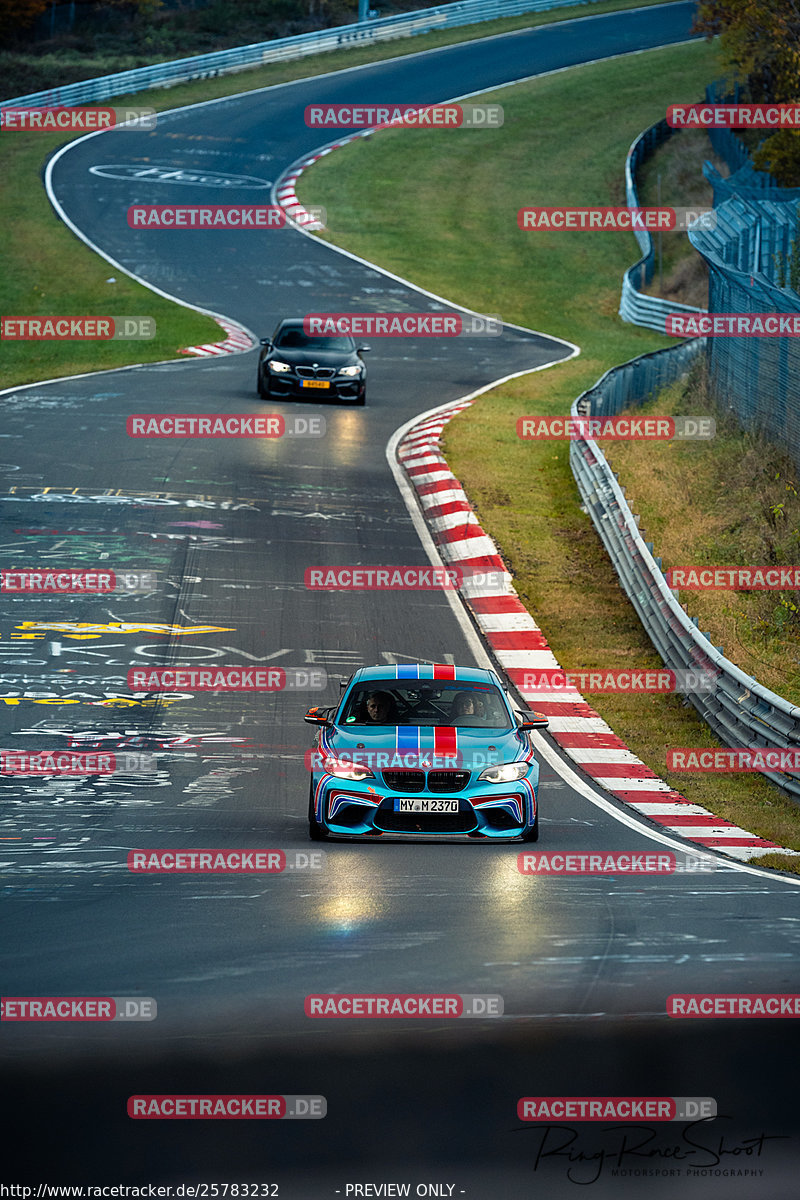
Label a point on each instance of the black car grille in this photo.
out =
(404, 781)
(395, 822)
(447, 781)
(415, 781)
(316, 372)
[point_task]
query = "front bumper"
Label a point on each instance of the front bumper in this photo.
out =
(290, 387)
(350, 810)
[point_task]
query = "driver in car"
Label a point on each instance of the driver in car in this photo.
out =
(378, 708)
(466, 704)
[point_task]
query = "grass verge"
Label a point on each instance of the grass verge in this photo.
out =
(391, 199)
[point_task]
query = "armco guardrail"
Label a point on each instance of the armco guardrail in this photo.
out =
(223, 62)
(739, 710)
(634, 306)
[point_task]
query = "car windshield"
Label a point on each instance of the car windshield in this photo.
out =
(419, 702)
(295, 339)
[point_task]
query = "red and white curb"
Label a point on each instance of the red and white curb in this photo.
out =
(237, 339)
(520, 646)
(286, 187)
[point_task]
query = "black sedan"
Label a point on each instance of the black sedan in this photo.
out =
(295, 365)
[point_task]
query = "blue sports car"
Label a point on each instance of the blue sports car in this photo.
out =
(424, 750)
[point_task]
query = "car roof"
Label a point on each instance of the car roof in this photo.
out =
(438, 672)
(299, 323)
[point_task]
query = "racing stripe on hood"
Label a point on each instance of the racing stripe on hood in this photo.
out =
(407, 739)
(445, 741)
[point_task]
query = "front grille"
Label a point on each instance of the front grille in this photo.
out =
(404, 781)
(316, 372)
(395, 822)
(416, 781)
(447, 781)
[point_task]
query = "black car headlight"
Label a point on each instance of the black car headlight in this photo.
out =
(278, 367)
(354, 370)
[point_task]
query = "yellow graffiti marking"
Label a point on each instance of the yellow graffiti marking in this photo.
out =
(84, 629)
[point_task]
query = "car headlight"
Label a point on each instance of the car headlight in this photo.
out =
(505, 772)
(278, 366)
(355, 370)
(341, 769)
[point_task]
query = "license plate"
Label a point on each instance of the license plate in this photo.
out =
(426, 806)
(315, 383)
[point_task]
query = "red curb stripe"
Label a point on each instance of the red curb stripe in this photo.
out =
(589, 741)
(721, 843)
(439, 466)
(521, 639)
(567, 708)
(495, 605)
(645, 797)
(484, 562)
(634, 770)
(697, 821)
(438, 485)
(444, 510)
(460, 533)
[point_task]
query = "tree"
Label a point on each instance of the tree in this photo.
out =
(760, 50)
(17, 16)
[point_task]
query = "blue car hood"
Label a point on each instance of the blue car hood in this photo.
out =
(474, 748)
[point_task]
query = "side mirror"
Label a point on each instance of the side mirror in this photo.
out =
(266, 342)
(363, 349)
(318, 716)
(532, 720)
